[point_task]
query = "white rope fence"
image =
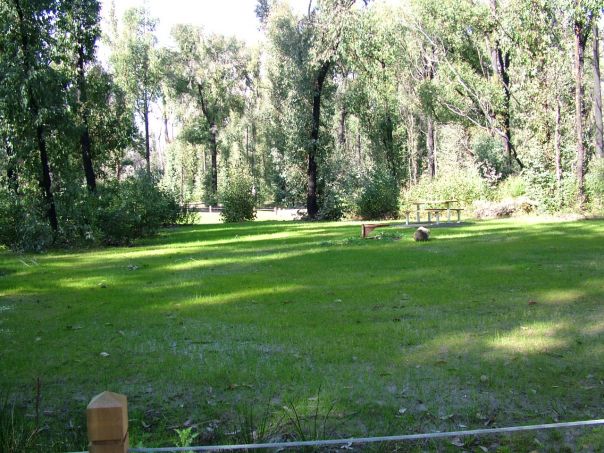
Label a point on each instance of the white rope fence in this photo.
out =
(367, 440)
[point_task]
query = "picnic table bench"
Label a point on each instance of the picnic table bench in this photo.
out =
(432, 209)
(437, 207)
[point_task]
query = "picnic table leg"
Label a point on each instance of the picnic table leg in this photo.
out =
(437, 217)
(458, 216)
(418, 218)
(429, 217)
(407, 218)
(448, 214)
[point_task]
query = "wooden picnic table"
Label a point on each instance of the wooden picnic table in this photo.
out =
(434, 207)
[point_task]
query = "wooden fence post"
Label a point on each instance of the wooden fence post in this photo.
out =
(107, 419)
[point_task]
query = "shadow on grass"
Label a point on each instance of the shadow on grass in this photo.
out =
(274, 311)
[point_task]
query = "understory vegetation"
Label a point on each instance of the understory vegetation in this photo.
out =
(276, 330)
(348, 109)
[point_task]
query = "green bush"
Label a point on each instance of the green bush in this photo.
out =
(238, 204)
(133, 208)
(331, 204)
(594, 185)
(542, 187)
(117, 214)
(379, 198)
(511, 187)
(23, 226)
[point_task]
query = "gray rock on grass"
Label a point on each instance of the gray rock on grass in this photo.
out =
(421, 234)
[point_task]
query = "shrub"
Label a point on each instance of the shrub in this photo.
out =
(238, 204)
(133, 208)
(594, 184)
(512, 187)
(379, 198)
(504, 208)
(23, 226)
(332, 205)
(542, 187)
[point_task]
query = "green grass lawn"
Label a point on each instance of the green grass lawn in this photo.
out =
(223, 327)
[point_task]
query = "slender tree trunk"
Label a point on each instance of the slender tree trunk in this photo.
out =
(182, 183)
(11, 169)
(312, 205)
(214, 155)
(597, 93)
(430, 145)
(45, 180)
(501, 64)
(165, 120)
(342, 131)
(254, 154)
(359, 149)
(147, 143)
(388, 139)
(557, 139)
(413, 148)
(85, 141)
(579, 91)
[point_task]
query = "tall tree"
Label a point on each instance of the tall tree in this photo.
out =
(81, 28)
(312, 47)
(211, 73)
(582, 18)
(134, 59)
(32, 31)
(597, 93)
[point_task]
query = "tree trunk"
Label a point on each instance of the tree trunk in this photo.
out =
(557, 135)
(501, 64)
(214, 155)
(165, 120)
(11, 169)
(312, 205)
(431, 147)
(254, 154)
(85, 141)
(412, 148)
(45, 180)
(579, 90)
(597, 93)
(342, 131)
(359, 149)
(147, 144)
(388, 139)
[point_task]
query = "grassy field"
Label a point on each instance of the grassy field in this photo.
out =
(242, 328)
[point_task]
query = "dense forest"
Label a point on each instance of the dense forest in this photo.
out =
(353, 108)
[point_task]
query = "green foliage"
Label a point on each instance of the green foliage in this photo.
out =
(185, 437)
(238, 203)
(118, 213)
(331, 206)
(511, 187)
(133, 208)
(23, 226)
(594, 184)
(379, 198)
(542, 187)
